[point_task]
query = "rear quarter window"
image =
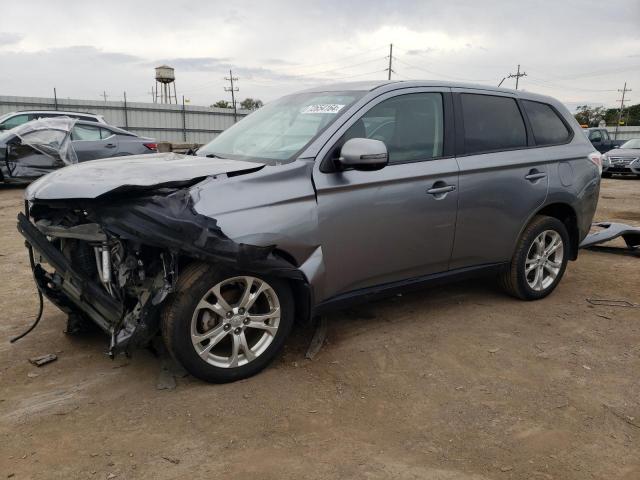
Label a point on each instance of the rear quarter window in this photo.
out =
(548, 128)
(492, 123)
(105, 133)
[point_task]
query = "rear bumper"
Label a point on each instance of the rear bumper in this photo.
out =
(66, 287)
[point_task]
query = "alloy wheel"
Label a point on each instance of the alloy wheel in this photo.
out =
(235, 321)
(544, 260)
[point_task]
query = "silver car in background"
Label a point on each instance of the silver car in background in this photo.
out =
(41, 146)
(624, 160)
(320, 199)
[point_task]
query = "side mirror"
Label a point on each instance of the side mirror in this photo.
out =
(363, 154)
(3, 127)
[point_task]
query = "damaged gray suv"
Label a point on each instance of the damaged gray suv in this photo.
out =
(317, 200)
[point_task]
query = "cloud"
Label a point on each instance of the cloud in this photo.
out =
(195, 64)
(10, 38)
(277, 47)
(421, 51)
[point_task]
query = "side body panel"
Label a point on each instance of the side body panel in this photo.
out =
(130, 145)
(382, 226)
(95, 149)
(273, 206)
(498, 191)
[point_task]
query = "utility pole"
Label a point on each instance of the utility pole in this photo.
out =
(232, 89)
(516, 76)
(104, 95)
(126, 117)
(390, 69)
(55, 98)
(624, 93)
(184, 121)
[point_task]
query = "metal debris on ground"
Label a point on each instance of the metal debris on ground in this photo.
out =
(612, 303)
(175, 461)
(43, 359)
(318, 339)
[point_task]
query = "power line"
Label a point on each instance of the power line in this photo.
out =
(547, 84)
(439, 74)
(310, 74)
(336, 60)
(232, 89)
(597, 73)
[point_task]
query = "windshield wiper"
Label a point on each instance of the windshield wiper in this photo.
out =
(213, 155)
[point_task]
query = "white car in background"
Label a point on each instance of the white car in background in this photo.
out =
(13, 119)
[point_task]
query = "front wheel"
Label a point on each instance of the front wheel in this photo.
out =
(223, 326)
(539, 261)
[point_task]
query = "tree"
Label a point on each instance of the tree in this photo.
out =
(251, 104)
(630, 116)
(588, 115)
(222, 104)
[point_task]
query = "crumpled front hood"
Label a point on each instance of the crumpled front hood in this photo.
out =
(92, 179)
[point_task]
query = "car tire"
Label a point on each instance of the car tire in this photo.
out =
(256, 334)
(539, 260)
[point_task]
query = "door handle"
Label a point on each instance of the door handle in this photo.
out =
(441, 190)
(534, 175)
(110, 145)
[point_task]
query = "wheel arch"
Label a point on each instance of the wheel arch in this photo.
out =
(568, 216)
(300, 289)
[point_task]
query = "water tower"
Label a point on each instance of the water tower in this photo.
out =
(165, 77)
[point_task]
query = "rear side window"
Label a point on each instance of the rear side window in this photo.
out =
(492, 123)
(85, 132)
(548, 128)
(411, 126)
(104, 133)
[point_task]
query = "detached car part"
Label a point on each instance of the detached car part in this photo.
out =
(611, 231)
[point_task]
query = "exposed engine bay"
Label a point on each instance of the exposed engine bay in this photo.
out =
(114, 260)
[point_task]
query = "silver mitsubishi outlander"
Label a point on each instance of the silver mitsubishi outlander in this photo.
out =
(322, 198)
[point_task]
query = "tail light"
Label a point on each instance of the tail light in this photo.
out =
(596, 159)
(151, 146)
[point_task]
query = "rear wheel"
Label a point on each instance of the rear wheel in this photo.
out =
(540, 259)
(223, 326)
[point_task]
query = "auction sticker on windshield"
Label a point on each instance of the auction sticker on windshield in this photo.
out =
(322, 108)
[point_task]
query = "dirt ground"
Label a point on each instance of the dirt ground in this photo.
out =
(459, 382)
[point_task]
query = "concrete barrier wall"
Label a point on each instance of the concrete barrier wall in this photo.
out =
(170, 123)
(624, 133)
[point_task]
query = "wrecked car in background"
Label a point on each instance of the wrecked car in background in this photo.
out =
(41, 146)
(315, 201)
(624, 160)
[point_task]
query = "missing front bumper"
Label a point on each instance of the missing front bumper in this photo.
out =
(72, 291)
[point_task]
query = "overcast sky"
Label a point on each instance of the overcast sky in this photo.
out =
(578, 51)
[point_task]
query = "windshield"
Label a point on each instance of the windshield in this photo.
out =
(633, 143)
(279, 130)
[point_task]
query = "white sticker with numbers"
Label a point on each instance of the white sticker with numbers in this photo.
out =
(322, 108)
